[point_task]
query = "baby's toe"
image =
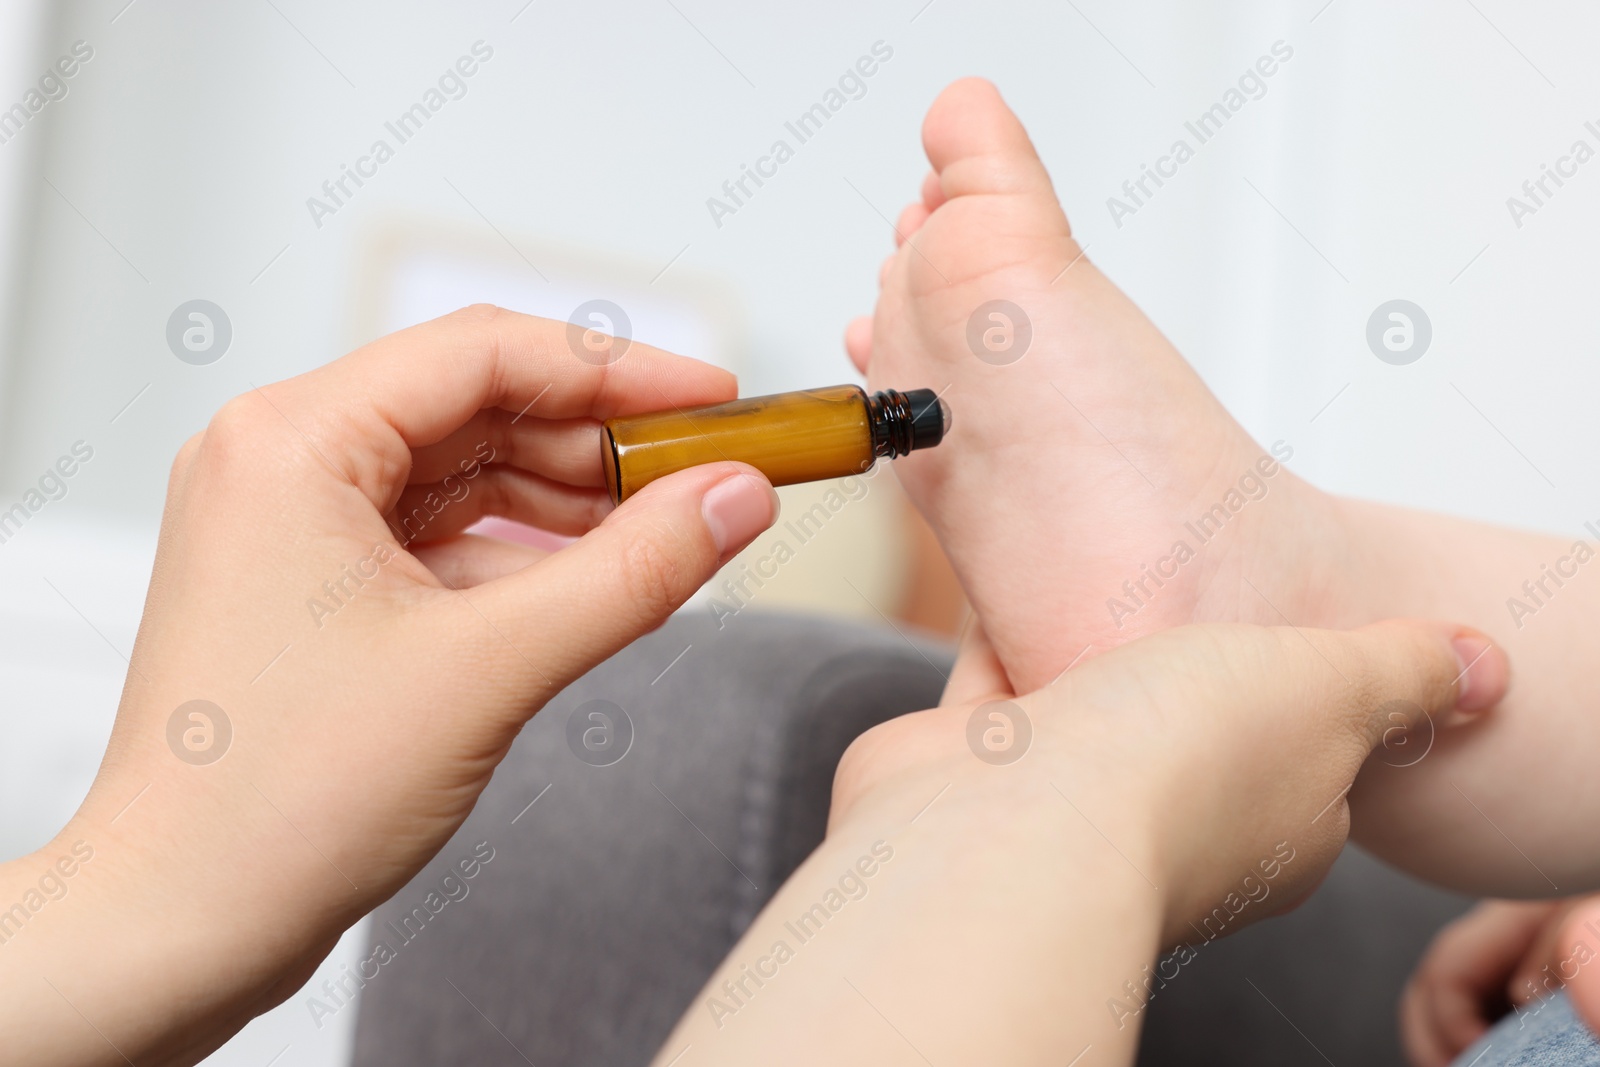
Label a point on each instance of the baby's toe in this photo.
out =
(977, 145)
(911, 220)
(858, 342)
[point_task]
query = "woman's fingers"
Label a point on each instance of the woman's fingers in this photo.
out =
(486, 356)
(574, 608)
(563, 450)
(1408, 676)
(431, 512)
(1258, 700)
(364, 413)
(1393, 685)
(1372, 685)
(468, 560)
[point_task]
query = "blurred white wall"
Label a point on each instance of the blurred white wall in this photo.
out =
(22, 31)
(1375, 165)
(180, 165)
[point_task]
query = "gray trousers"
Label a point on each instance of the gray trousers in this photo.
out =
(614, 886)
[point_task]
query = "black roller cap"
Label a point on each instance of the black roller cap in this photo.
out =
(930, 418)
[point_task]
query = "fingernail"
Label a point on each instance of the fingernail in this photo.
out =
(1478, 683)
(736, 509)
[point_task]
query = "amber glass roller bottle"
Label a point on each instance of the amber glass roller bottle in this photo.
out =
(789, 437)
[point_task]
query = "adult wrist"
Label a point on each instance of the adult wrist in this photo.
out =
(98, 928)
(1034, 871)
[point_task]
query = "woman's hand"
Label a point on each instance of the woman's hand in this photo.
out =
(1237, 743)
(1006, 869)
(327, 673)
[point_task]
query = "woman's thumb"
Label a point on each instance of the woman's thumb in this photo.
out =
(575, 608)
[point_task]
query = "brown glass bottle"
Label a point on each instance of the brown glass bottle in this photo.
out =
(789, 437)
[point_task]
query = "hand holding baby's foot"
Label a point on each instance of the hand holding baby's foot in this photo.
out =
(1093, 489)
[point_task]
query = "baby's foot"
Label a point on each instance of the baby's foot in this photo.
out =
(1092, 489)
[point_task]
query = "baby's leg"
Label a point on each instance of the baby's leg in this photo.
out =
(1093, 490)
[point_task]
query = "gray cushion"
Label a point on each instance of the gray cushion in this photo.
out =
(612, 898)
